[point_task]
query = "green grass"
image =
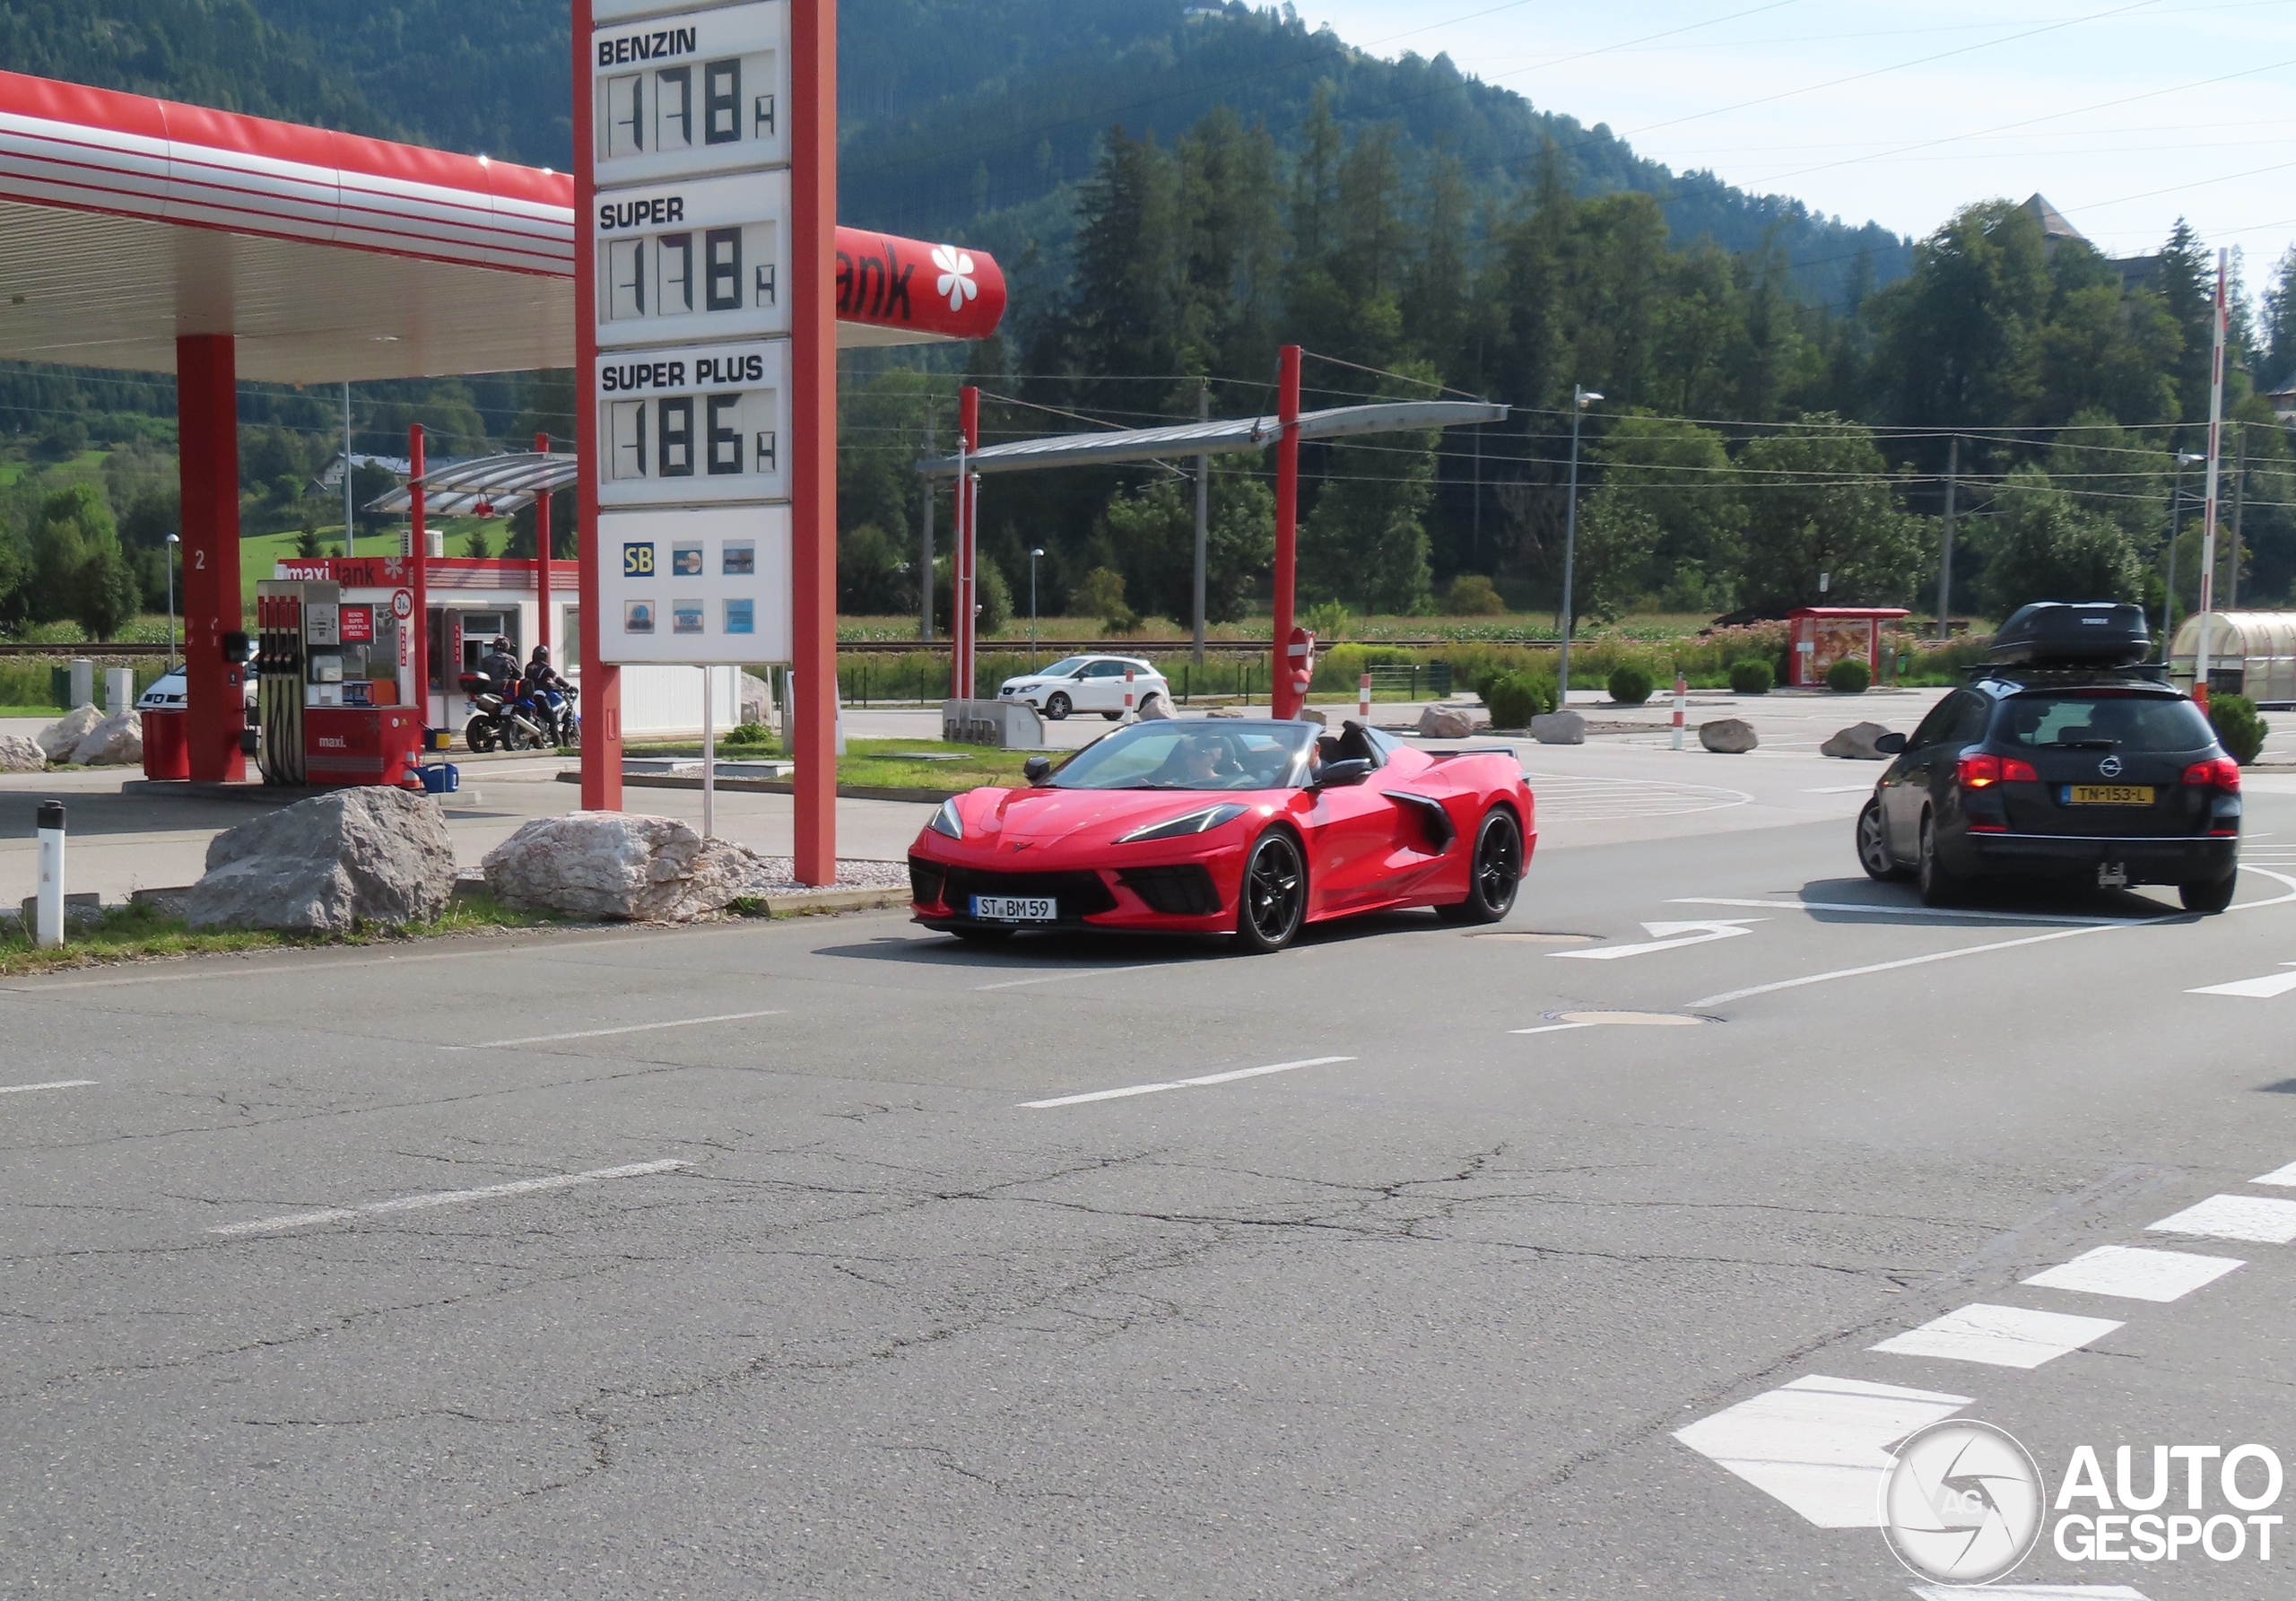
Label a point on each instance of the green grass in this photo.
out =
(143, 933)
(877, 763)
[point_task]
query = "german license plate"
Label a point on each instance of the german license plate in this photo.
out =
(1015, 908)
(2109, 794)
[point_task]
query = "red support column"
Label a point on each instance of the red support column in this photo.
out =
(207, 411)
(542, 554)
(418, 550)
(601, 683)
(812, 523)
(1286, 701)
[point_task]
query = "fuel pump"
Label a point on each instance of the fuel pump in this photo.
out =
(331, 694)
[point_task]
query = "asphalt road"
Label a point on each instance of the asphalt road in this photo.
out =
(367, 1275)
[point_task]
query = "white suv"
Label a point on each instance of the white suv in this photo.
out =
(1089, 683)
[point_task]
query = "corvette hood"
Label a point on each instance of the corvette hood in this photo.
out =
(1040, 819)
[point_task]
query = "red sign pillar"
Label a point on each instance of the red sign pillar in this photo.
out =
(207, 409)
(419, 552)
(601, 682)
(542, 554)
(1287, 700)
(813, 150)
(961, 600)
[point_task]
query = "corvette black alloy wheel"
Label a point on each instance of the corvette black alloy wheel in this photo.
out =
(1495, 873)
(1275, 893)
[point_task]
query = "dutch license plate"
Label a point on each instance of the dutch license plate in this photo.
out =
(1015, 908)
(2109, 794)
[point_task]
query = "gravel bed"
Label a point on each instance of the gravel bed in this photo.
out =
(850, 875)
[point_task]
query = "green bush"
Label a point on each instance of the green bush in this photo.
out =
(1517, 698)
(1850, 676)
(1472, 595)
(2238, 730)
(748, 735)
(1750, 678)
(1629, 685)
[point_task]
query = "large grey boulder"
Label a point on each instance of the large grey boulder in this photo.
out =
(1157, 709)
(620, 865)
(1559, 728)
(1856, 744)
(21, 753)
(59, 738)
(327, 863)
(116, 742)
(1729, 736)
(1443, 721)
(756, 699)
(1309, 714)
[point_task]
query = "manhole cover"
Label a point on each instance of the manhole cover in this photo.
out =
(1528, 939)
(1633, 1020)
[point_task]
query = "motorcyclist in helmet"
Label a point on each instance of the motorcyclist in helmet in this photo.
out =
(540, 675)
(500, 665)
(547, 693)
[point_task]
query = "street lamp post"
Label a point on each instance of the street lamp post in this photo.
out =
(1580, 401)
(168, 560)
(2185, 458)
(1033, 554)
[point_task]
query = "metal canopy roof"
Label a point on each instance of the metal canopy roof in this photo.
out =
(1220, 437)
(501, 484)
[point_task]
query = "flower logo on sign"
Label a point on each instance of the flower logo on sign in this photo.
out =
(956, 280)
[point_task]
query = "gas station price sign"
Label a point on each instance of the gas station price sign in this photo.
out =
(699, 93)
(690, 220)
(693, 424)
(698, 260)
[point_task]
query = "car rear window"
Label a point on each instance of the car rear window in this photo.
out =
(2104, 721)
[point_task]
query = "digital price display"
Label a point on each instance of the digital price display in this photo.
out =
(693, 425)
(696, 92)
(696, 260)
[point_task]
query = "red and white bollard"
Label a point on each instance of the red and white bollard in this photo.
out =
(1682, 704)
(1127, 691)
(1363, 698)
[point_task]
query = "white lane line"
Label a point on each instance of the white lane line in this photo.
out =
(2266, 988)
(1183, 1084)
(1091, 972)
(60, 1083)
(635, 1028)
(2281, 1176)
(1819, 1445)
(1552, 1028)
(451, 1197)
(1842, 789)
(2249, 1218)
(2006, 945)
(2032, 1592)
(2137, 1275)
(1999, 1336)
(1945, 913)
(1669, 937)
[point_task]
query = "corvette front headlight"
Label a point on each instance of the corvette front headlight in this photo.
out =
(948, 821)
(1192, 823)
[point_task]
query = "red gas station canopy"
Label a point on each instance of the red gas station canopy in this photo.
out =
(127, 221)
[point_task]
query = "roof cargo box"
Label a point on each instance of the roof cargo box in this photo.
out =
(2090, 634)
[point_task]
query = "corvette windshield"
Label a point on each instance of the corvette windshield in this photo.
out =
(1192, 755)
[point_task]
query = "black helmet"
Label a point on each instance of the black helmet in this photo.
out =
(542, 653)
(501, 644)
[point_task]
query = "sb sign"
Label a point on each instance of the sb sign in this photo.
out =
(693, 425)
(700, 92)
(703, 259)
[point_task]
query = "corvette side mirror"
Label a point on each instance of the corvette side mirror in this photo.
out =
(1891, 744)
(1036, 769)
(1344, 775)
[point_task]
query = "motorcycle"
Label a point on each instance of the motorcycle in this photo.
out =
(501, 721)
(554, 708)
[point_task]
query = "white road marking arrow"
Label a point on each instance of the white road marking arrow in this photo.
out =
(2254, 989)
(1675, 936)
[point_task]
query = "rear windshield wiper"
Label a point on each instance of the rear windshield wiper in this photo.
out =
(2082, 745)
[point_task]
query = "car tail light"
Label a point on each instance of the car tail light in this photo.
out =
(2014, 771)
(1980, 772)
(2223, 773)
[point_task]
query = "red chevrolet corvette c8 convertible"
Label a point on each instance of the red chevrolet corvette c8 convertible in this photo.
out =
(1254, 828)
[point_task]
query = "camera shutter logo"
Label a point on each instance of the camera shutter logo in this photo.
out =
(1962, 1504)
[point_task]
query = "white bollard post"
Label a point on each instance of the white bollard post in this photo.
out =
(708, 753)
(1682, 704)
(1127, 691)
(49, 915)
(1363, 698)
